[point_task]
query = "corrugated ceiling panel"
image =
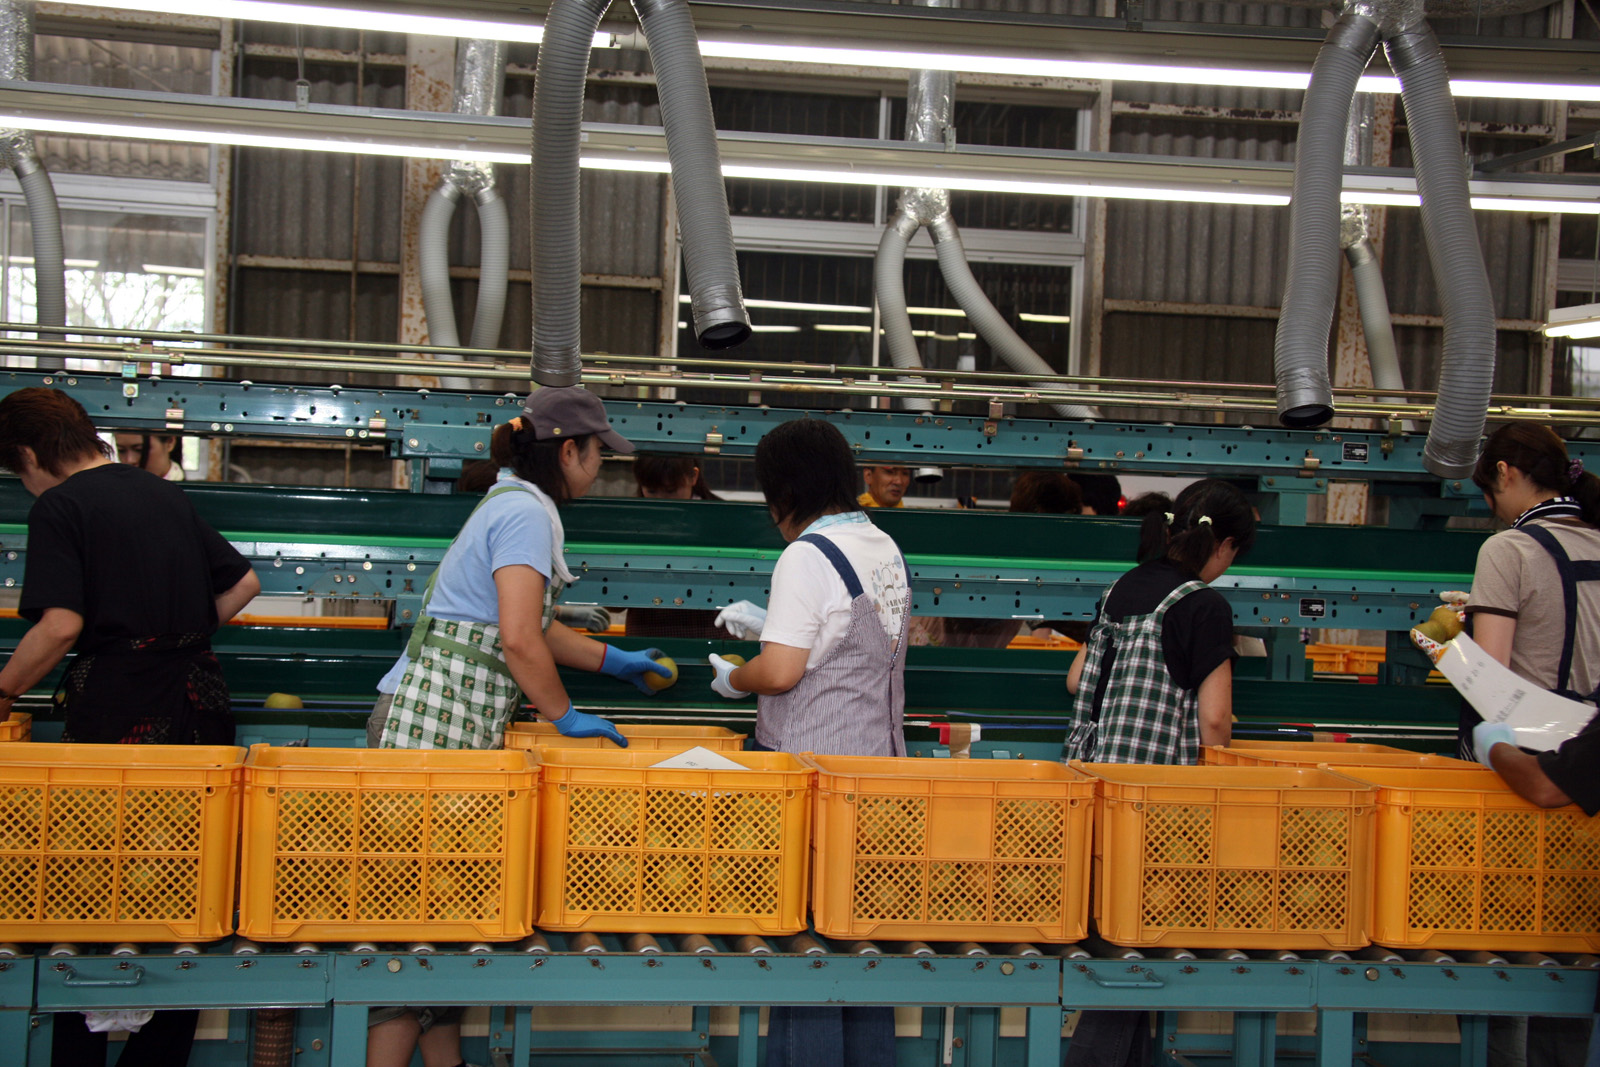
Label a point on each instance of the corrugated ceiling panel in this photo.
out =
(1197, 253)
(124, 65)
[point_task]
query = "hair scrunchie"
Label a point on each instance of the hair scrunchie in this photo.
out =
(1204, 520)
(1575, 471)
(1168, 514)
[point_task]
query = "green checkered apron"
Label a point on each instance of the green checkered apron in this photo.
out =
(457, 691)
(1145, 717)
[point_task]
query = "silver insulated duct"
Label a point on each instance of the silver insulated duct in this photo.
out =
(17, 151)
(716, 300)
(930, 111)
(1301, 351)
(480, 76)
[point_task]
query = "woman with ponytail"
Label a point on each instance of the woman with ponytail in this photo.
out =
(1154, 681)
(1535, 607)
(486, 639)
(1535, 602)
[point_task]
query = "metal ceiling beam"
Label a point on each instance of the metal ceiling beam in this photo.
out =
(865, 25)
(351, 127)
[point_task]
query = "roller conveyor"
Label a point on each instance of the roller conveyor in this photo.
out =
(336, 983)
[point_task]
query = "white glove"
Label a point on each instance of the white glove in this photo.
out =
(743, 620)
(721, 669)
(1486, 735)
(1456, 598)
(103, 1022)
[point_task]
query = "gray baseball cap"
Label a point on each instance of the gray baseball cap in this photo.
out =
(570, 411)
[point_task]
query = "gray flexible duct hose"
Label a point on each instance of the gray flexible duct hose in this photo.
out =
(1466, 369)
(433, 266)
(889, 283)
(558, 84)
(49, 254)
(1300, 352)
(1375, 320)
(988, 322)
(716, 300)
(494, 269)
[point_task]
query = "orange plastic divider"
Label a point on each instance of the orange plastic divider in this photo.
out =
(1232, 857)
(345, 844)
(951, 850)
(314, 622)
(625, 847)
(118, 842)
(1464, 863)
(664, 737)
(18, 726)
(1336, 755)
(1240, 751)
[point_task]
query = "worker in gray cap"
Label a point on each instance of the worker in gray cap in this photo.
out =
(486, 638)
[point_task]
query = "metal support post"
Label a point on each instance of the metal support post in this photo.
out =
(15, 1026)
(349, 1035)
(1044, 1037)
(749, 1034)
(41, 1031)
(983, 1037)
(521, 1035)
(1335, 1038)
(1255, 1038)
(1474, 1040)
(313, 1036)
(1286, 655)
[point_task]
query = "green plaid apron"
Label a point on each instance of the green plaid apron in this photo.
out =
(1145, 717)
(457, 691)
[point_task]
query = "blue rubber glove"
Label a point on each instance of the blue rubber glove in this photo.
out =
(1486, 735)
(577, 723)
(633, 666)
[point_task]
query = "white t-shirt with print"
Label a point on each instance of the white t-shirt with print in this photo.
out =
(810, 606)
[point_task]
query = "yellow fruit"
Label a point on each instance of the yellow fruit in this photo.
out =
(1448, 621)
(736, 660)
(283, 700)
(658, 683)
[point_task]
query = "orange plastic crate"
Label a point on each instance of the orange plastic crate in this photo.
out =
(667, 737)
(345, 844)
(118, 842)
(1464, 863)
(624, 846)
(18, 726)
(1244, 752)
(1232, 857)
(951, 850)
(1334, 756)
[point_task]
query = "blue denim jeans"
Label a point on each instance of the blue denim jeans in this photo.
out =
(830, 1037)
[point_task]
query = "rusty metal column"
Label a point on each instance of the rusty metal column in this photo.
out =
(1547, 231)
(222, 231)
(430, 78)
(1349, 502)
(1094, 286)
(430, 74)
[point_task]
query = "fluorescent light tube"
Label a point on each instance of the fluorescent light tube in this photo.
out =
(897, 59)
(352, 18)
(1028, 316)
(162, 268)
(841, 327)
(791, 305)
(1576, 322)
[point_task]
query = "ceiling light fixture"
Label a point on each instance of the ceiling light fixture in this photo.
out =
(1028, 316)
(1249, 188)
(1575, 322)
(1098, 70)
(353, 18)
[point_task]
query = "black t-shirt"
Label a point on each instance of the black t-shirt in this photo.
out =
(125, 549)
(1197, 637)
(1575, 767)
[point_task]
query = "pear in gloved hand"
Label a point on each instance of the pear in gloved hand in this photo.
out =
(637, 667)
(1443, 625)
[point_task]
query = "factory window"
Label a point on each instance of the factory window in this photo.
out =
(138, 266)
(1583, 370)
(819, 308)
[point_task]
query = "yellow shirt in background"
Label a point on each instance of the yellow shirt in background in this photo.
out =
(867, 500)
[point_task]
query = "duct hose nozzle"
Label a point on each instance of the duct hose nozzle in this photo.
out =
(724, 323)
(559, 378)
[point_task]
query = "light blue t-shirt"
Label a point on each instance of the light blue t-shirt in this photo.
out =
(511, 529)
